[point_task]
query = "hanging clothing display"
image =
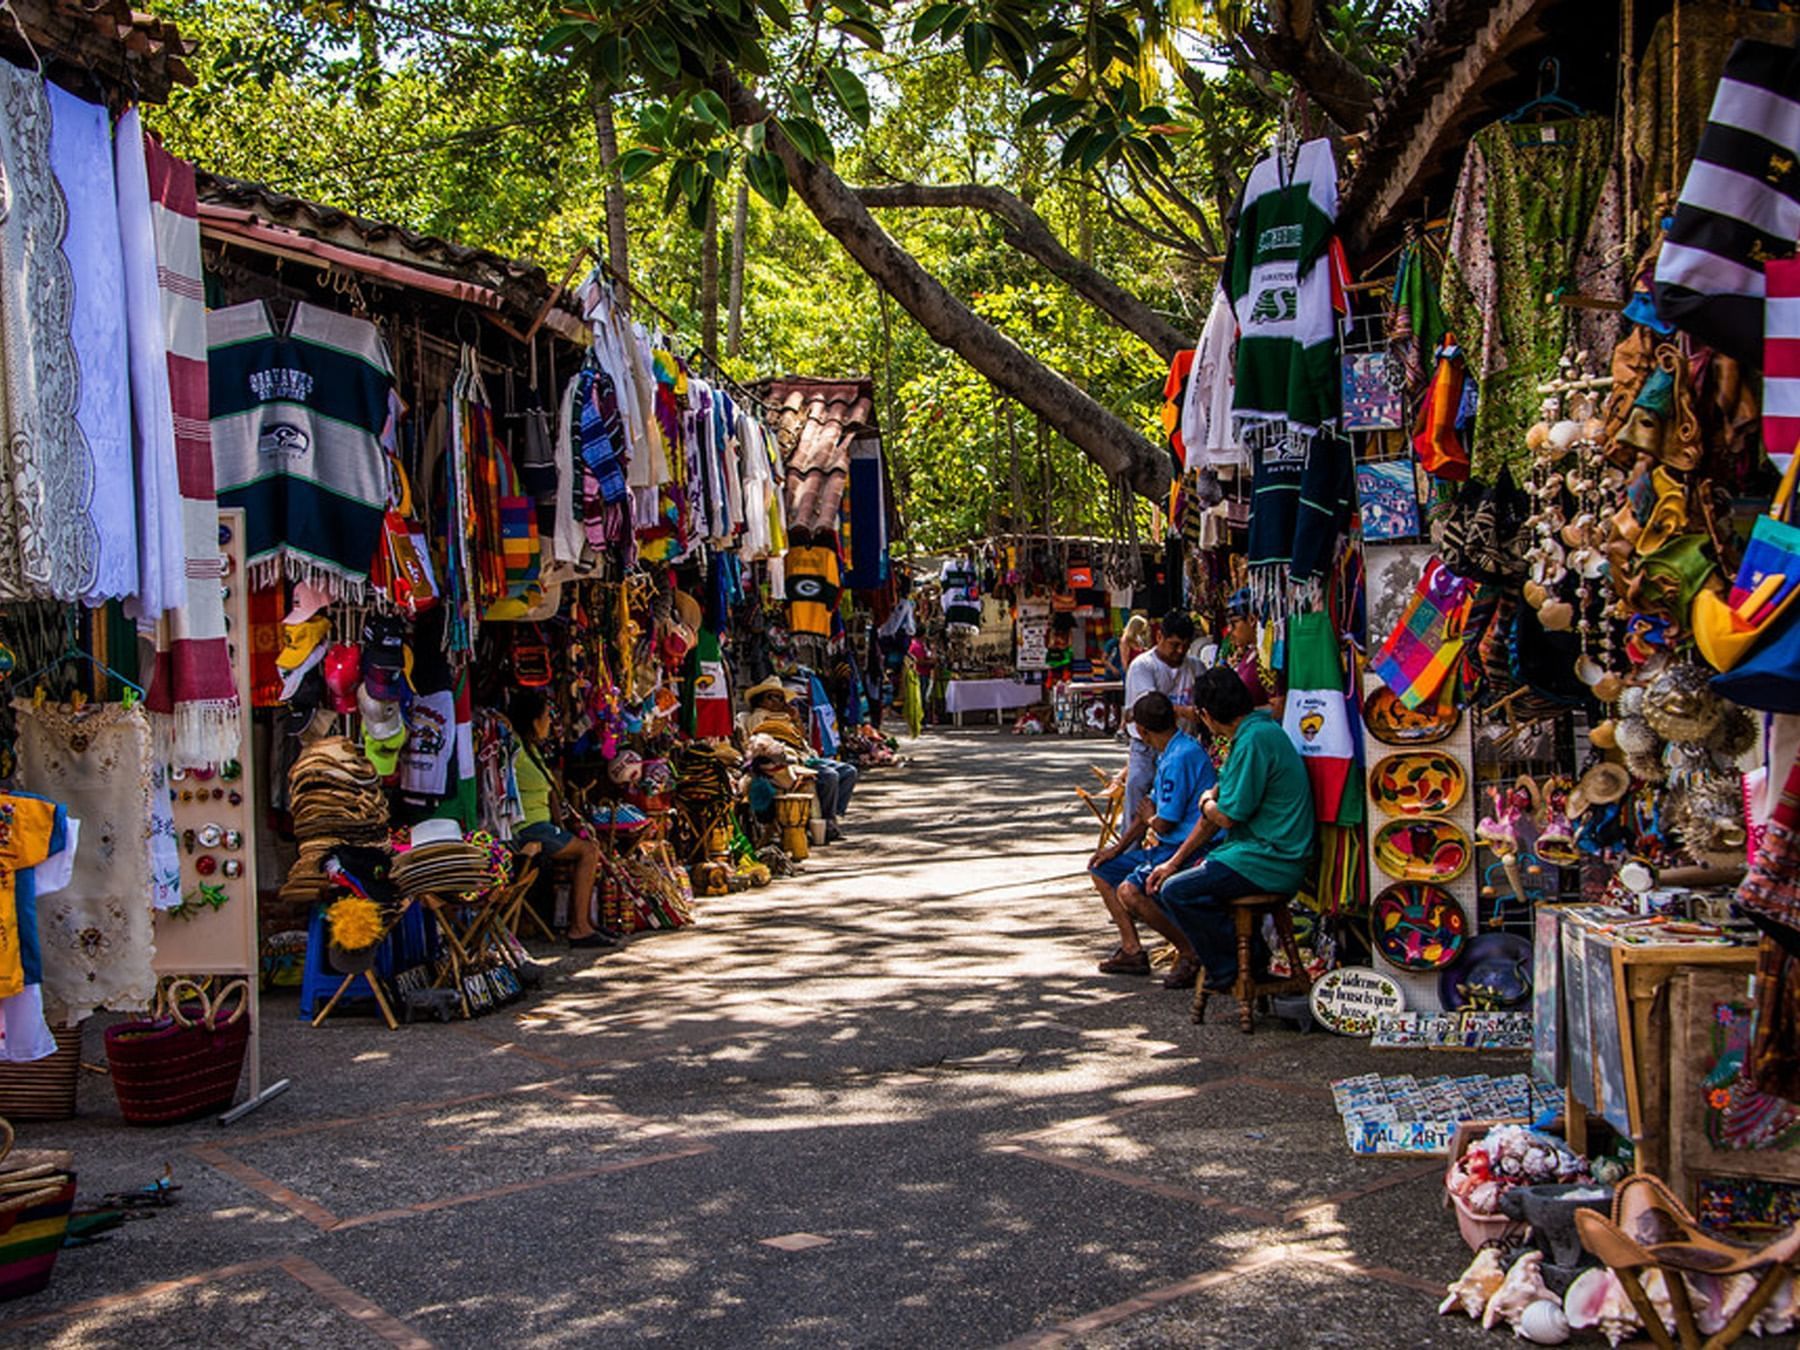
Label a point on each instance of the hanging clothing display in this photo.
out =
(97, 934)
(191, 684)
(162, 580)
(25, 1033)
(1206, 428)
(300, 415)
(706, 691)
(1740, 204)
(865, 498)
(1676, 82)
(1536, 209)
(81, 156)
(47, 541)
(1318, 718)
(812, 588)
(1287, 378)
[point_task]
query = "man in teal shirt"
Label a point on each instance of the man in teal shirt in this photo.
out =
(1264, 800)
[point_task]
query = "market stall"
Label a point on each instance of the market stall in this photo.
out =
(1509, 396)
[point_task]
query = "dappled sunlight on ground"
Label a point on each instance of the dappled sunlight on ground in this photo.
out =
(905, 1052)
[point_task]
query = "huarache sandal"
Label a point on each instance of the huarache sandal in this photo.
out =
(1122, 962)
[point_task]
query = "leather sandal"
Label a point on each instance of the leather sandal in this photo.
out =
(1122, 962)
(1183, 976)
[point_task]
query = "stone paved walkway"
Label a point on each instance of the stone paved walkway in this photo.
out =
(889, 1103)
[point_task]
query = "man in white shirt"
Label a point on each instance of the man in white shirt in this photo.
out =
(1164, 669)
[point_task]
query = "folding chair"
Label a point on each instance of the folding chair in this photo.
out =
(1108, 804)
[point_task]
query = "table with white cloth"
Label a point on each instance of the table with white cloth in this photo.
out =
(995, 696)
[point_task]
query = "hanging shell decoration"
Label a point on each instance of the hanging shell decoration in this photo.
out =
(1680, 704)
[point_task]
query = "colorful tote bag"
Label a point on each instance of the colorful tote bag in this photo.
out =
(1428, 641)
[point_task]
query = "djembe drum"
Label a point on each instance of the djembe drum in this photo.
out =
(793, 812)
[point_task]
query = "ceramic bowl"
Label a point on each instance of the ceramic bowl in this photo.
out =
(1430, 849)
(1418, 926)
(1417, 783)
(1391, 721)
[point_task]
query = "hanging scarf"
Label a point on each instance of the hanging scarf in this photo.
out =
(1427, 643)
(191, 684)
(162, 568)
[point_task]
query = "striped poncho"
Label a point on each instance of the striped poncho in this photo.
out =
(298, 421)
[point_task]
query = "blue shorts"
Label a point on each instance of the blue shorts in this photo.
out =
(553, 837)
(1132, 865)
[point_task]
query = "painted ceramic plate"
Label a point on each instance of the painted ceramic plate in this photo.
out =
(1347, 1000)
(1390, 720)
(1418, 926)
(1429, 849)
(1417, 783)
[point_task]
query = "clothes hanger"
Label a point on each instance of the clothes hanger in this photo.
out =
(1547, 101)
(73, 651)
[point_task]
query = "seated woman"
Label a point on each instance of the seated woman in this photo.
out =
(1265, 800)
(546, 815)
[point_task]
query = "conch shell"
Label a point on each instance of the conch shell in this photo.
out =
(1543, 1322)
(1597, 1299)
(1476, 1285)
(1522, 1287)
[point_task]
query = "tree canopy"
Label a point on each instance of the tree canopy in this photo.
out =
(1006, 203)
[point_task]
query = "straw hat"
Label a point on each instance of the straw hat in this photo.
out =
(771, 685)
(1603, 783)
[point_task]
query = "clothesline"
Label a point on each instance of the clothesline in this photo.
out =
(699, 353)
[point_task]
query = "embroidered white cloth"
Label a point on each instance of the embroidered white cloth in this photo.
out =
(97, 933)
(81, 157)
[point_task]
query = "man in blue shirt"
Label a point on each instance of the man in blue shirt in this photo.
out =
(1183, 773)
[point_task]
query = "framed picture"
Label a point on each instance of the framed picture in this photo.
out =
(1372, 399)
(1388, 500)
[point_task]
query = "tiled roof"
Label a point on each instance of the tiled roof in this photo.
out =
(521, 287)
(816, 421)
(139, 56)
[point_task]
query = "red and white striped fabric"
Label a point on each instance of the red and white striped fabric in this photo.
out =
(1781, 361)
(192, 681)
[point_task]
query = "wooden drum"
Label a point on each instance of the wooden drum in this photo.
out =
(793, 811)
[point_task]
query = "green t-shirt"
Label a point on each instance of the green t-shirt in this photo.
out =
(534, 787)
(1264, 789)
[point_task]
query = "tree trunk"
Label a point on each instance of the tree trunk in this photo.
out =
(709, 280)
(734, 307)
(618, 240)
(1025, 230)
(1104, 437)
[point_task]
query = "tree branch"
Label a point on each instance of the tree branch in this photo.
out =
(1121, 451)
(1025, 230)
(1295, 44)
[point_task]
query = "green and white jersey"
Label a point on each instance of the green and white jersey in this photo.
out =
(1287, 359)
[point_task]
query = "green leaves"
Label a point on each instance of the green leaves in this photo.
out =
(978, 46)
(634, 164)
(851, 95)
(808, 137)
(942, 18)
(708, 105)
(768, 177)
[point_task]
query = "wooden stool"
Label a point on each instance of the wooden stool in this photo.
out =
(1247, 916)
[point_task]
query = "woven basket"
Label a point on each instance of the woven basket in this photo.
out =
(43, 1089)
(32, 1229)
(181, 1065)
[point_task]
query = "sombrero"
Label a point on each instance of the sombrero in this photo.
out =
(771, 685)
(1603, 783)
(1497, 964)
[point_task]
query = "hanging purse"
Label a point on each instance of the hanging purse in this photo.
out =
(1767, 581)
(404, 560)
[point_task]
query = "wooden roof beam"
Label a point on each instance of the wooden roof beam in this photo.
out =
(1510, 25)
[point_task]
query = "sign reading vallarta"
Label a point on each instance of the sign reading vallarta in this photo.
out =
(1349, 999)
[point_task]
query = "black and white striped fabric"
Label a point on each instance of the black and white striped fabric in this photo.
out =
(1740, 204)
